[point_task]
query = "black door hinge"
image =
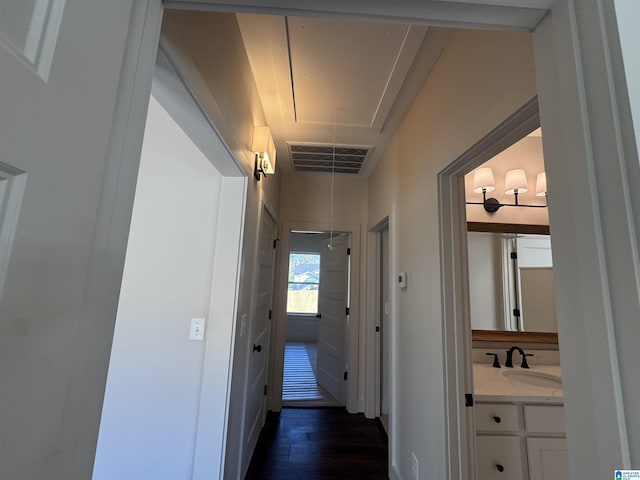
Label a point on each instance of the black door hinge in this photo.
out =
(348, 251)
(514, 255)
(275, 243)
(269, 314)
(346, 375)
(347, 310)
(265, 389)
(468, 399)
(377, 329)
(516, 312)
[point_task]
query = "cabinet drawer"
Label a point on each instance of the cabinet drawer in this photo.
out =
(499, 458)
(544, 418)
(497, 417)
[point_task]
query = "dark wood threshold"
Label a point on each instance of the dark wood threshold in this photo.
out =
(507, 228)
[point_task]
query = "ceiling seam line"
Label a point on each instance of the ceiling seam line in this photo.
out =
(293, 90)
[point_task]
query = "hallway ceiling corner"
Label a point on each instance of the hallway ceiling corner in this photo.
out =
(343, 82)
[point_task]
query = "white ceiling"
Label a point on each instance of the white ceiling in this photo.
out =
(323, 79)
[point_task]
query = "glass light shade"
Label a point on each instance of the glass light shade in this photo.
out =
(483, 179)
(263, 145)
(515, 180)
(541, 184)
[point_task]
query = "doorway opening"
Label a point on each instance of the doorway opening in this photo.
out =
(512, 305)
(317, 308)
(380, 305)
(482, 450)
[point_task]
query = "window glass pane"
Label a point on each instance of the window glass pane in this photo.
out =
(304, 277)
(304, 267)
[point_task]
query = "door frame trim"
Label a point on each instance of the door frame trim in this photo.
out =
(587, 111)
(372, 364)
(456, 320)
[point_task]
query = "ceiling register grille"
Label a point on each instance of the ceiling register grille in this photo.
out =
(319, 158)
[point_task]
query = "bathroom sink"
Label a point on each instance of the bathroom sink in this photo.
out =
(537, 379)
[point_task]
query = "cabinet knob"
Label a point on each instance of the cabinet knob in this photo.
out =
(500, 468)
(497, 419)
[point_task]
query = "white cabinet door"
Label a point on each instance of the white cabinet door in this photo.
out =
(499, 458)
(548, 458)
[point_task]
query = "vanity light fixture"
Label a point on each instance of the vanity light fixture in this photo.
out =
(515, 183)
(541, 185)
(264, 151)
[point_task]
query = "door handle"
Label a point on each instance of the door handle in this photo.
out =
(257, 348)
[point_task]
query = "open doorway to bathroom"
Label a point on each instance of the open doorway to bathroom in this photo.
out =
(516, 425)
(316, 319)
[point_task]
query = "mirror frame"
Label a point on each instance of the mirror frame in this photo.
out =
(503, 336)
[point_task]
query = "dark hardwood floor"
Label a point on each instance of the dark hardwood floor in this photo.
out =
(319, 444)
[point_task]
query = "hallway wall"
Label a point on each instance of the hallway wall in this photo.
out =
(150, 412)
(208, 50)
(448, 116)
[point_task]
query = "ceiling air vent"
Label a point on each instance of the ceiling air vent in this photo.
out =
(320, 158)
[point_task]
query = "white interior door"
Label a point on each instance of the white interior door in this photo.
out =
(333, 304)
(260, 330)
(63, 77)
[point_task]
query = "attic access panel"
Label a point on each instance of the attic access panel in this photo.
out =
(320, 158)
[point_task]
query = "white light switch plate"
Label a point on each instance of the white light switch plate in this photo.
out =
(196, 332)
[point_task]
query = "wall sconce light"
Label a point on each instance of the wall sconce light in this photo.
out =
(515, 183)
(265, 152)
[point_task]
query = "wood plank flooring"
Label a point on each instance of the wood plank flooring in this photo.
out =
(319, 444)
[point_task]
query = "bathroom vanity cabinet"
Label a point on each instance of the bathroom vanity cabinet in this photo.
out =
(520, 439)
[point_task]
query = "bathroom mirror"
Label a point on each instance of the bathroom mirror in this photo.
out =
(511, 283)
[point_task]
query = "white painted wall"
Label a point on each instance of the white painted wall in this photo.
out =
(306, 242)
(208, 50)
(151, 404)
(448, 116)
(307, 198)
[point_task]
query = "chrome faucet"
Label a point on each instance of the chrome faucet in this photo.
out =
(509, 361)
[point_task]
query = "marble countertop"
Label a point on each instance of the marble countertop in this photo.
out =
(491, 384)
